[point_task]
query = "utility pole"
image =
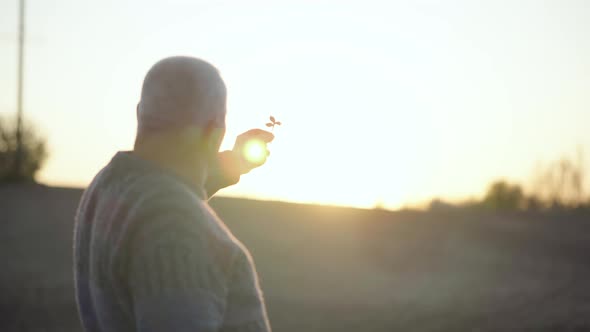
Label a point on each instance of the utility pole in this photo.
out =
(19, 97)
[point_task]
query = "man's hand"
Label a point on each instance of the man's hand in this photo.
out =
(262, 137)
(227, 168)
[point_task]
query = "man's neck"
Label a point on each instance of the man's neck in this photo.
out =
(192, 171)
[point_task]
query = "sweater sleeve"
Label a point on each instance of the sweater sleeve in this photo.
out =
(245, 309)
(222, 173)
(177, 277)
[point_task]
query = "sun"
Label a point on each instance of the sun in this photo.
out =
(255, 151)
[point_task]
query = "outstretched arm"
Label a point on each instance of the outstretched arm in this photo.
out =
(231, 164)
(222, 173)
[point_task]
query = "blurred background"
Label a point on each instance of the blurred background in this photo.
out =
(430, 173)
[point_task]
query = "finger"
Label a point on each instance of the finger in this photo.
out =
(263, 135)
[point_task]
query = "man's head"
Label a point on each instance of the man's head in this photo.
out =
(183, 104)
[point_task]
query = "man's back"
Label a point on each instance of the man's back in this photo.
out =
(151, 256)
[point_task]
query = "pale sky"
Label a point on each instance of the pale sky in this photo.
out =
(397, 102)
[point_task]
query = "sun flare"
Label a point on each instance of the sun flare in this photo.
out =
(255, 151)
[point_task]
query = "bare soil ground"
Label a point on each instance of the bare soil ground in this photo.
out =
(338, 269)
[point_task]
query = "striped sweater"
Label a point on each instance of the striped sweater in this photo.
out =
(150, 255)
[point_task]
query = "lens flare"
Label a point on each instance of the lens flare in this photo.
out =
(255, 151)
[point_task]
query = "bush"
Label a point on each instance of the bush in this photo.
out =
(34, 152)
(502, 195)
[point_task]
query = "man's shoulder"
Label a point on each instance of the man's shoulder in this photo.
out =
(138, 186)
(163, 214)
(164, 200)
(160, 191)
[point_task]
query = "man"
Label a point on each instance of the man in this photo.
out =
(150, 254)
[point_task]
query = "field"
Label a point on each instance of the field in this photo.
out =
(338, 269)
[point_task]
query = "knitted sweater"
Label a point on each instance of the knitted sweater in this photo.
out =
(150, 255)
